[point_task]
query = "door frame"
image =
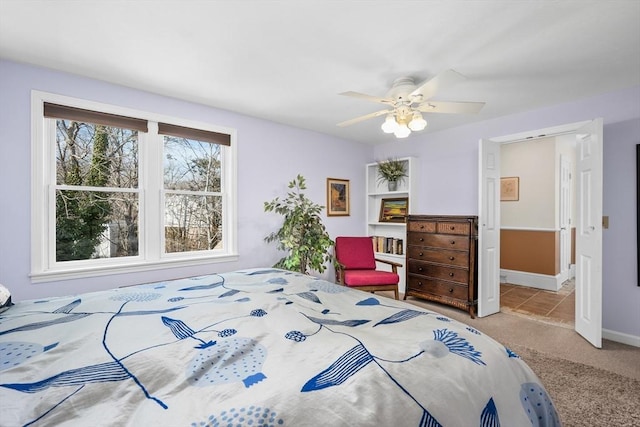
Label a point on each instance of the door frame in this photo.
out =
(484, 260)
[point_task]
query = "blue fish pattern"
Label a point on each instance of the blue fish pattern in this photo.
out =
(13, 353)
(232, 360)
(538, 405)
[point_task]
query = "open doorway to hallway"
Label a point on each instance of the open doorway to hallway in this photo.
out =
(537, 256)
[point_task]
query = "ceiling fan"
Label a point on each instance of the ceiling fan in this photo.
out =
(407, 102)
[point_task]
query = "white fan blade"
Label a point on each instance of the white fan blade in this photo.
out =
(368, 97)
(431, 87)
(365, 117)
(450, 107)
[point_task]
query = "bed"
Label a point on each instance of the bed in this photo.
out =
(257, 347)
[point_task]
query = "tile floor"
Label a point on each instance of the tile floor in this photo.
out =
(557, 307)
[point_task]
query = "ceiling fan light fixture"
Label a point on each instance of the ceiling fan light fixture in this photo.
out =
(417, 123)
(405, 102)
(389, 125)
(402, 132)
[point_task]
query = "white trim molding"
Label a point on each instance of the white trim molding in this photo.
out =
(532, 280)
(620, 337)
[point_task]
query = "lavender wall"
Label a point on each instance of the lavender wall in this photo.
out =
(269, 156)
(448, 164)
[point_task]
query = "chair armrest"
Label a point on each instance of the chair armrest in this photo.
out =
(394, 265)
(339, 272)
(391, 263)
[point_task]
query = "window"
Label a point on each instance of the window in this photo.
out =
(117, 190)
(193, 190)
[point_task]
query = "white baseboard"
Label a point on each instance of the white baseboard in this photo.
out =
(621, 337)
(532, 280)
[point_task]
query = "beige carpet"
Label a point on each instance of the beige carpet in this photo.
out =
(584, 395)
(590, 387)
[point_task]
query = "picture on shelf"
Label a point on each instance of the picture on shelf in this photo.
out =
(394, 210)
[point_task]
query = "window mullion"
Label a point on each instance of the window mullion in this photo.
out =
(151, 171)
(97, 189)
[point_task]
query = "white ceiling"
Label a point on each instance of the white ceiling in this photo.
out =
(288, 60)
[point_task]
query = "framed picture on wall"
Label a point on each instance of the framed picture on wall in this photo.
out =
(337, 197)
(509, 189)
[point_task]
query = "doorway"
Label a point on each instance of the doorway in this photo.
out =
(588, 297)
(536, 227)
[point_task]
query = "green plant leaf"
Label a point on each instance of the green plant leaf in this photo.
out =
(302, 234)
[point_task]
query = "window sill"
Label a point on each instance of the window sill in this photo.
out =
(137, 267)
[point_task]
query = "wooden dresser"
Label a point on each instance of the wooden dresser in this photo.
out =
(441, 260)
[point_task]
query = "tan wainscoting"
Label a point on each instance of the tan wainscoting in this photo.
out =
(532, 251)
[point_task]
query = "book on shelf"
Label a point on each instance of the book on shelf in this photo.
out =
(387, 245)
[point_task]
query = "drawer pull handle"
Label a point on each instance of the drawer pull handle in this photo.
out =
(451, 258)
(453, 242)
(450, 274)
(420, 269)
(452, 227)
(421, 227)
(420, 254)
(422, 239)
(450, 290)
(419, 283)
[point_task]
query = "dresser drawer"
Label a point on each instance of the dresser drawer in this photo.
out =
(462, 228)
(458, 275)
(437, 287)
(422, 226)
(438, 241)
(440, 256)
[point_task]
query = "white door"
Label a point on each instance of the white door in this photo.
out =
(489, 228)
(565, 217)
(589, 232)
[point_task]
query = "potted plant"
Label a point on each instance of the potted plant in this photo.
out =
(302, 234)
(392, 171)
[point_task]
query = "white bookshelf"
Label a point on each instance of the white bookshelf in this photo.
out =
(376, 192)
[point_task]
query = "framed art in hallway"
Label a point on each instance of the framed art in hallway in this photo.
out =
(337, 197)
(510, 189)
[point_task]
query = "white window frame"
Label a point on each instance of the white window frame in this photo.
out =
(44, 267)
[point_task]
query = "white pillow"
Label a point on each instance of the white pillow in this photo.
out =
(5, 299)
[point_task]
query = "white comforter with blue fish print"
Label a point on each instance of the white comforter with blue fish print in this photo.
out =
(259, 347)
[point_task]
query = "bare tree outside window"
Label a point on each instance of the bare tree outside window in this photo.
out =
(93, 219)
(193, 199)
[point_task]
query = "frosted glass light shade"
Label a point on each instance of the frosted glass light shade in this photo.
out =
(389, 125)
(402, 132)
(417, 123)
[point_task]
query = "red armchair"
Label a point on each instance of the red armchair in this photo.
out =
(356, 266)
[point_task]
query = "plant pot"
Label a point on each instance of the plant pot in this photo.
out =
(393, 185)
